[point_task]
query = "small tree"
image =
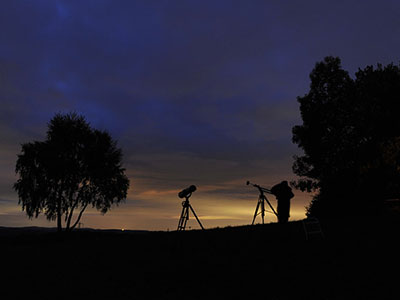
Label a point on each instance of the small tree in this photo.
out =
(76, 166)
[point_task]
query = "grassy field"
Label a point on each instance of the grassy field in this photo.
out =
(356, 259)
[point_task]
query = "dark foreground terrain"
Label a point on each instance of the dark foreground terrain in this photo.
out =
(356, 259)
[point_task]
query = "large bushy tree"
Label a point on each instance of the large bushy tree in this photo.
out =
(350, 137)
(75, 167)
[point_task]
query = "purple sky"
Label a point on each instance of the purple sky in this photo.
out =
(195, 92)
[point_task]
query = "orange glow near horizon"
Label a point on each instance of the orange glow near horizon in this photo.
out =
(161, 210)
(153, 204)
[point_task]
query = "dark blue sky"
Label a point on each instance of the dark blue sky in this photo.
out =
(195, 92)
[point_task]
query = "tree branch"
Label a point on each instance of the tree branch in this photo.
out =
(75, 204)
(79, 216)
(71, 212)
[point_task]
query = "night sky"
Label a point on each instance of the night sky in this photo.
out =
(195, 92)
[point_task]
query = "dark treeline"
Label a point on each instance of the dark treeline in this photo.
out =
(351, 139)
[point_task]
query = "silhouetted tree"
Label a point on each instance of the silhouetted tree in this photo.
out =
(351, 138)
(76, 166)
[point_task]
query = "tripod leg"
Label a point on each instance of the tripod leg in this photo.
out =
(255, 214)
(191, 208)
(262, 209)
(270, 206)
(183, 219)
(186, 216)
(180, 220)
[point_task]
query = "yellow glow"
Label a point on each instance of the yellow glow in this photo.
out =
(229, 203)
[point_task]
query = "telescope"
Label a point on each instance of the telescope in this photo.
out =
(187, 192)
(261, 202)
(261, 189)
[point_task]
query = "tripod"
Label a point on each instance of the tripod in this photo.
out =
(261, 203)
(185, 214)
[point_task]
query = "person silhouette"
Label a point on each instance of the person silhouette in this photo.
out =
(283, 194)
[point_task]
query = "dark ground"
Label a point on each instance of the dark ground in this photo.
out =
(356, 259)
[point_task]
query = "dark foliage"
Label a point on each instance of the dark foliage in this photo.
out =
(351, 138)
(75, 167)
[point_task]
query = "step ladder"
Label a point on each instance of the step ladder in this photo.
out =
(312, 228)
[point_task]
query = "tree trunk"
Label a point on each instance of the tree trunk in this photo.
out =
(69, 217)
(79, 216)
(59, 225)
(59, 213)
